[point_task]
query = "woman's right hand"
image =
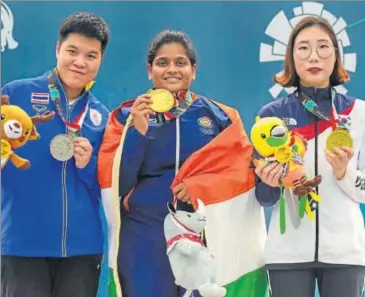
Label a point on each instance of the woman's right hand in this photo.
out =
(270, 173)
(141, 112)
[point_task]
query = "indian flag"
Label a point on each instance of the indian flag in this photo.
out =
(219, 174)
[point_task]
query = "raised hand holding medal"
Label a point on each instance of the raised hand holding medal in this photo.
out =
(83, 152)
(65, 146)
(154, 102)
(62, 147)
(162, 100)
(339, 138)
(169, 106)
(339, 146)
(141, 112)
(339, 160)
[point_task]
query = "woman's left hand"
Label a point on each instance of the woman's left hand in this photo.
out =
(181, 193)
(339, 159)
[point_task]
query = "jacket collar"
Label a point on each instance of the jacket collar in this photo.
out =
(316, 94)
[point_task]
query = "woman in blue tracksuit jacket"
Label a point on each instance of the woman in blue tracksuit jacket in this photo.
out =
(52, 237)
(148, 166)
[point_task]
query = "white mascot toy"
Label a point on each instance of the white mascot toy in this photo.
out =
(191, 262)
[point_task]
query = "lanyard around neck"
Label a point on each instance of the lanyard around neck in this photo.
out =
(75, 126)
(313, 108)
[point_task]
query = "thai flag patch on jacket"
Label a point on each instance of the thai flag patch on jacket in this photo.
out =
(40, 98)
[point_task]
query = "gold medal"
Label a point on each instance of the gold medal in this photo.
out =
(339, 138)
(283, 155)
(162, 100)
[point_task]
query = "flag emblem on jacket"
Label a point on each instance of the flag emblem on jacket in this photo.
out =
(39, 98)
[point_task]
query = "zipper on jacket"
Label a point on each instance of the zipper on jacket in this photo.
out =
(64, 210)
(64, 187)
(315, 174)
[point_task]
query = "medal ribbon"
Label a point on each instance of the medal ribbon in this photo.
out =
(313, 108)
(75, 126)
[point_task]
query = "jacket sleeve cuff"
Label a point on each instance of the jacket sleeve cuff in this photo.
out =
(267, 196)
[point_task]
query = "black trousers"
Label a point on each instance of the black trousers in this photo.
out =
(50, 277)
(332, 282)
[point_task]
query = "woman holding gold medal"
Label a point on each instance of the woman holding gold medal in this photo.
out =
(162, 129)
(330, 249)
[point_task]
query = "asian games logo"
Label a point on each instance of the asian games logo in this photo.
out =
(280, 28)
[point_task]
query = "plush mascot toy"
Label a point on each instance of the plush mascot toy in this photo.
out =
(191, 262)
(17, 127)
(275, 143)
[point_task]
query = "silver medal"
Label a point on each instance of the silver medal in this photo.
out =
(62, 147)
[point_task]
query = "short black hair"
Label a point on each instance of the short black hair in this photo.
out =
(170, 36)
(87, 24)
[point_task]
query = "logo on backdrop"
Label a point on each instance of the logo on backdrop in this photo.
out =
(7, 24)
(280, 28)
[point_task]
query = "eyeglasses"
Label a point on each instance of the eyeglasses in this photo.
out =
(304, 51)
